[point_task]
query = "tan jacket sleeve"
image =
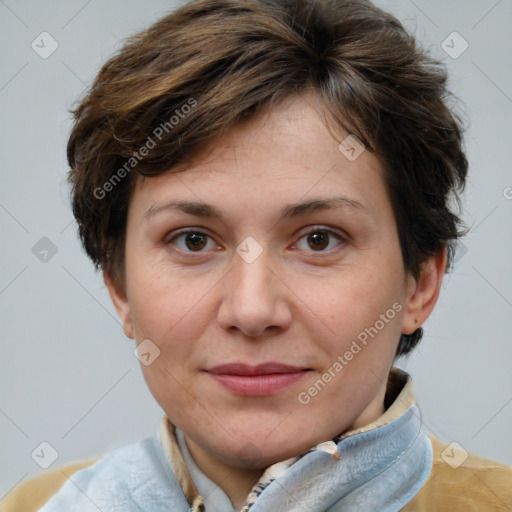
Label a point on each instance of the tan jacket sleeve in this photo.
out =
(33, 494)
(477, 485)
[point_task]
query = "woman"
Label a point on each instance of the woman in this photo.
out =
(266, 186)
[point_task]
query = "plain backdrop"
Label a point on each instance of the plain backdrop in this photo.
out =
(68, 376)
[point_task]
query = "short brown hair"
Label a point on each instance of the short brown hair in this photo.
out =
(226, 60)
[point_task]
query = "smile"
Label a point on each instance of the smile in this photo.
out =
(262, 380)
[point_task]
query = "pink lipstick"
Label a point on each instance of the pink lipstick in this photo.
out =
(261, 380)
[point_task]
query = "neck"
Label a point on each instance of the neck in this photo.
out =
(374, 410)
(236, 482)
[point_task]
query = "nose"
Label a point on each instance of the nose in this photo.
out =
(255, 299)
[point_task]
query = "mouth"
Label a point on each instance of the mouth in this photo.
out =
(262, 380)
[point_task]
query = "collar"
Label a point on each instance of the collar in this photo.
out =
(400, 423)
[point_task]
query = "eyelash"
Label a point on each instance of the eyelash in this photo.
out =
(315, 229)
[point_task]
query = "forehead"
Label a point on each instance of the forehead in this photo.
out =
(280, 155)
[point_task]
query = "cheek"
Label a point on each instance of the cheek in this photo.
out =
(169, 312)
(362, 310)
(165, 301)
(352, 299)
(171, 308)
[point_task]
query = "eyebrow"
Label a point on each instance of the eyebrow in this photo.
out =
(200, 209)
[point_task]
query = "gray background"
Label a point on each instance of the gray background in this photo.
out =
(67, 373)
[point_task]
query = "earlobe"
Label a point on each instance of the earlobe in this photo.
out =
(120, 302)
(423, 292)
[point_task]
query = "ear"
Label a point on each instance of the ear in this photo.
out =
(422, 293)
(120, 302)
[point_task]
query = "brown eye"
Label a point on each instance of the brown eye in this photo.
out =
(190, 241)
(195, 241)
(319, 239)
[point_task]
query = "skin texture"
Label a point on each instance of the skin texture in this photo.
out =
(296, 304)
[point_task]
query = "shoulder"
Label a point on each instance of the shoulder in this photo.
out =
(133, 475)
(31, 495)
(463, 482)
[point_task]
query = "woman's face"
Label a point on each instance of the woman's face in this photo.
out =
(305, 303)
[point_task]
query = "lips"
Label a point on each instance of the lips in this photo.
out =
(261, 369)
(261, 380)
